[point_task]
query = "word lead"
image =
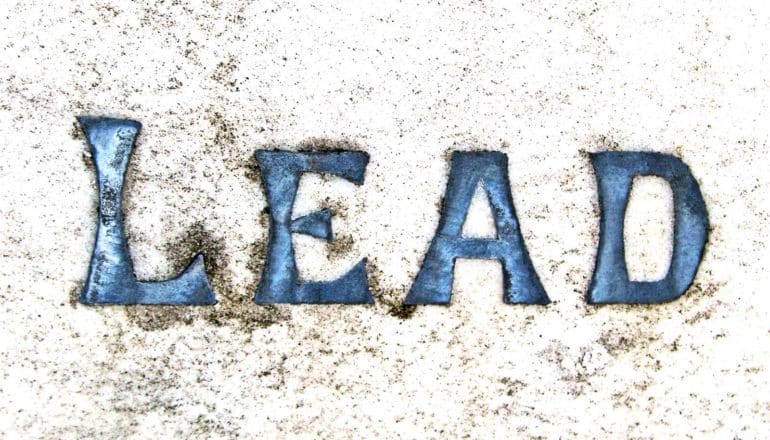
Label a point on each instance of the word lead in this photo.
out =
(111, 278)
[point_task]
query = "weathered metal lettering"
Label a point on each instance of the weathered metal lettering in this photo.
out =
(615, 172)
(281, 171)
(111, 278)
(434, 281)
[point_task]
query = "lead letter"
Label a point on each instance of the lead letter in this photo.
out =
(434, 282)
(281, 171)
(111, 278)
(615, 172)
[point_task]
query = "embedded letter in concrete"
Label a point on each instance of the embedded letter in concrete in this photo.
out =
(111, 278)
(281, 171)
(615, 172)
(434, 282)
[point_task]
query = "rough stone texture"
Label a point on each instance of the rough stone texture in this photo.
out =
(545, 82)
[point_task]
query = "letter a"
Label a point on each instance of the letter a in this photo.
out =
(111, 278)
(434, 282)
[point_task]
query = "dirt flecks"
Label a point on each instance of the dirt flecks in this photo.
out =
(76, 132)
(87, 159)
(74, 296)
(616, 342)
(390, 298)
(703, 294)
(234, 308)
(245, 314)
(251, 171)
(224, 71)
(257, 260)
(340, 246)
(174, 83)
(512, 386)
(575, 367)
(703, 290)
(197, 239)
(224, 130)
(155, 318)
(337, 208)
(322, 144)
(701, 315)
(605, 143)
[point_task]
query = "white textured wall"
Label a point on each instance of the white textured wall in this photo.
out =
(408, 82)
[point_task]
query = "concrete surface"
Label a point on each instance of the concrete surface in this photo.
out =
(407, 82)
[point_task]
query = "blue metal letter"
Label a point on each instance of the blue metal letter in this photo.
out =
(615, 172)
(111, 278)
(281, 171)
(434, 282)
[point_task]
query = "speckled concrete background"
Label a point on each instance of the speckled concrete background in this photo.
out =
(545, 82)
